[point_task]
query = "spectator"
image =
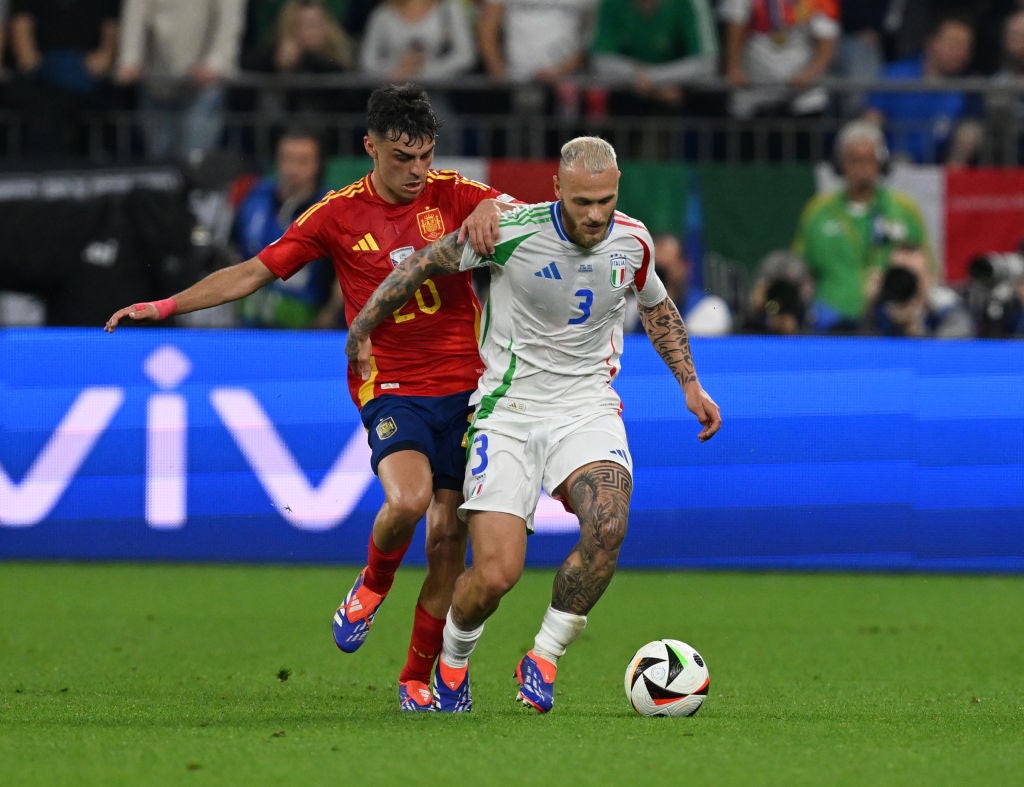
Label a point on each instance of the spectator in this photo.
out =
(62, 53)
(537, 47)
(846, 236)
(523, 40)
(990, 21)
(654, 47)
(181, 59)
(417, 39)
(704, 313)
(307, 39)
(909, 302)
(1005, 107)
(775, 53)
(261, 20)
(421, 40)
(867, 29)
(780, 300)
(308, 298)
(932, 127)
(1012, 69)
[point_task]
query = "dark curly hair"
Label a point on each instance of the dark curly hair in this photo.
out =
(401, 112)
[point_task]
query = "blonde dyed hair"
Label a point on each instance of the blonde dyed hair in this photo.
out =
(591, 154)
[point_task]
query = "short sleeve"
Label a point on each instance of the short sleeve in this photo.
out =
(652, 292)
(299, 245)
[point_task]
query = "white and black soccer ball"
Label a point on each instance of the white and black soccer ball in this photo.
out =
(667, 678)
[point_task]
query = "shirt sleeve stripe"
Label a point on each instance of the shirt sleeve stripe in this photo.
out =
(640, 277)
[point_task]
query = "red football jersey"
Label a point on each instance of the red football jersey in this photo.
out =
(429, 346)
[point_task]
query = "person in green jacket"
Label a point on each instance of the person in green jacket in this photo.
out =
(846, 236)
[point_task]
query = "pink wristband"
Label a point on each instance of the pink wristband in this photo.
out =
(164, 308)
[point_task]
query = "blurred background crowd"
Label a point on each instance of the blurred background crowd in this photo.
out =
(236, 108)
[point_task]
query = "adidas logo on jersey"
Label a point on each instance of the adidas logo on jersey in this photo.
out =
(549, 271)
(366, 243)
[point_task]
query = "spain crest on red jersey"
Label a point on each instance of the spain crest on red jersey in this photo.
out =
(431, 224)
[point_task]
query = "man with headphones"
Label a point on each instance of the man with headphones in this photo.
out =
(845, 236)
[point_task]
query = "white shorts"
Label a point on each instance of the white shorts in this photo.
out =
(512, 457)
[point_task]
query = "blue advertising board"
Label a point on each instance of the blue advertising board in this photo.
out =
(836, 453)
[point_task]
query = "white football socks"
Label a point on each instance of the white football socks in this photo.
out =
(557, 631)
(458, 644)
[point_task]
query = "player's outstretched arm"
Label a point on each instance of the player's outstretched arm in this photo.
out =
(667, 332)
(440, 257)
(481, 226)
(222, 286)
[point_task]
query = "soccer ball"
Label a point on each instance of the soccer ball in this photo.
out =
(667, 678)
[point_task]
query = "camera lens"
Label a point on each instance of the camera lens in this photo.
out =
(899, 285)
(981, 270)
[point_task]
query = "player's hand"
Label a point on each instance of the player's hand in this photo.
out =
(359, 349)
(703, 406)
(137, 311)
(481, 228)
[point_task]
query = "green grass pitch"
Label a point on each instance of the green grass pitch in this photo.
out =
(214, 675)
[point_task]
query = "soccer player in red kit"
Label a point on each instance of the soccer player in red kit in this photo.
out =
(415, 404)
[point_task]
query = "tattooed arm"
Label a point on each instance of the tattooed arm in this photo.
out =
(440, 257)
(665, 329)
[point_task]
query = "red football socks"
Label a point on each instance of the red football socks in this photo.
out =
(381, 568)
(423, 647)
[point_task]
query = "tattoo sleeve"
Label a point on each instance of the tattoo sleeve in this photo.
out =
(667, 332)
(440, 257)
(599, 494)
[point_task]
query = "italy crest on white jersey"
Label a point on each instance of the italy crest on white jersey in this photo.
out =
(552, 331)
(619, 263)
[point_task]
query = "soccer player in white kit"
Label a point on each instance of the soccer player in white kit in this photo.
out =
(546, 414)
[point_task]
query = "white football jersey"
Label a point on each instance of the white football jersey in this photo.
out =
(551, 336)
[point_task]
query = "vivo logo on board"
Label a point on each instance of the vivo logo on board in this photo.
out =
(300, 503)
(303, 505)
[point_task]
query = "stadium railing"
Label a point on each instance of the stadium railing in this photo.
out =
(485, 118)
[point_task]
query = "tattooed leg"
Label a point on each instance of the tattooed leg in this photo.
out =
(599, 494)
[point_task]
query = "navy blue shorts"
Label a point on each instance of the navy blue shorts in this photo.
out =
(433, 425)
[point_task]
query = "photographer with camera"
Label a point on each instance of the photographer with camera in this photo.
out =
(781, 296)
(846, 235)
(906, 300)
(995, 294)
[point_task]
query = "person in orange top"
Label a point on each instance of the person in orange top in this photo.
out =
(415, 404)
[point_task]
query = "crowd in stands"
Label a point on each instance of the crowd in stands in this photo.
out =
(745, 59)
(737, 59)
